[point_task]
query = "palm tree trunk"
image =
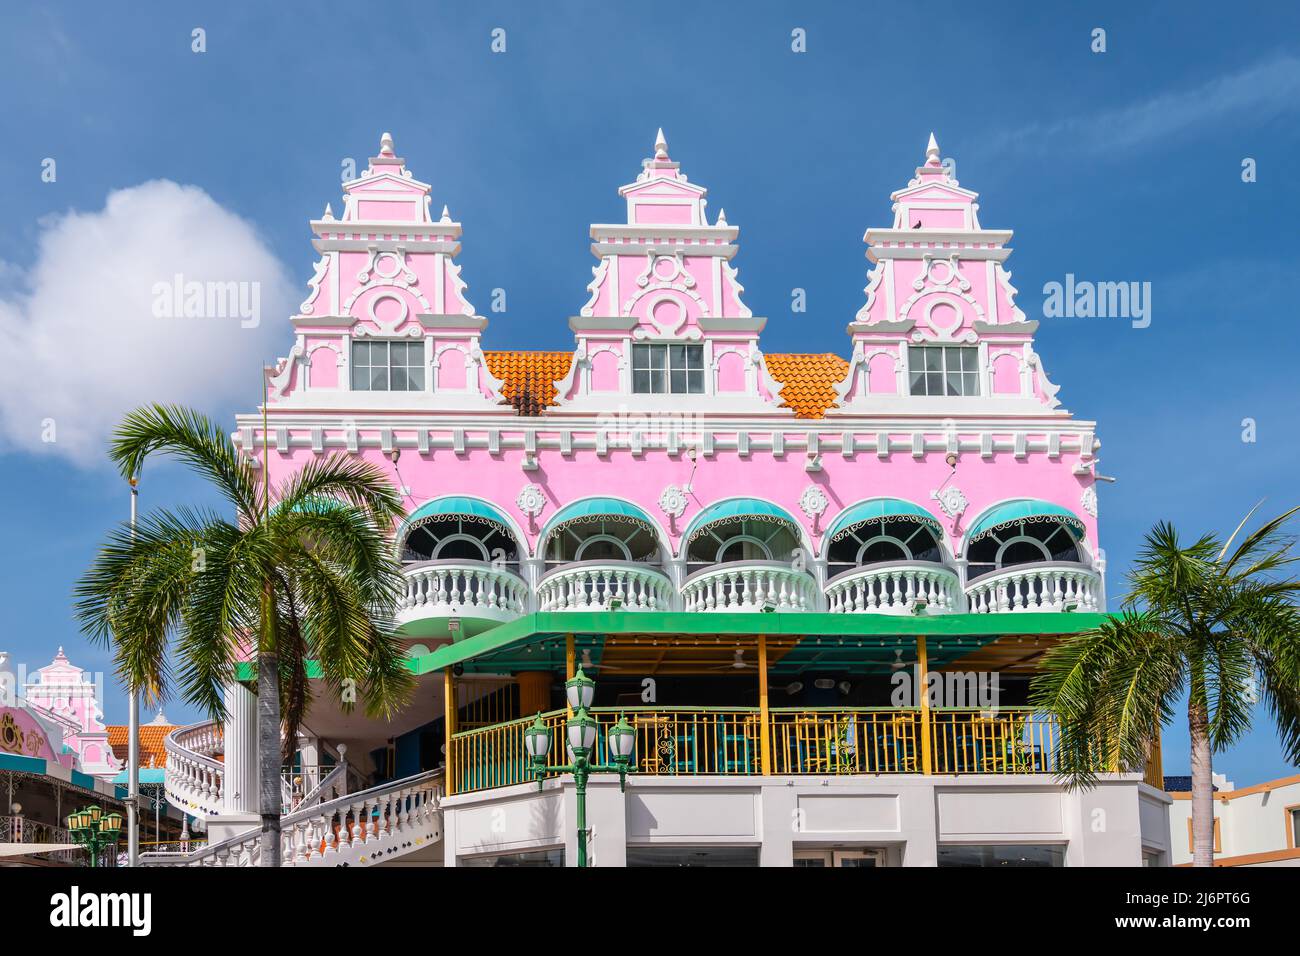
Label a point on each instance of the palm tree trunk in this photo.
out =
(268, 755)
(1202, 782)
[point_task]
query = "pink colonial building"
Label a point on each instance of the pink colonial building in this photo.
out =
(752, 553)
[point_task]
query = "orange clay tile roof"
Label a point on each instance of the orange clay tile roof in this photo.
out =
(152, 752)
(807, 381)
(516, 368)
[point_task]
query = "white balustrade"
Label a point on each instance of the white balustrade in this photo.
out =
(359, 829)
(601, 585)
(750, 586)
(194, 779)
(1048, 586)
(446, 589)
(894, 587)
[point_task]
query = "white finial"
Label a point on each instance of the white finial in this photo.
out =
(329, 212)
(661, 145)
(932, 150)
(722, 217)
(386, 145)
(446, 216)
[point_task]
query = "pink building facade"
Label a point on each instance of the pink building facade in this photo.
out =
(931, 465)
(752, 552)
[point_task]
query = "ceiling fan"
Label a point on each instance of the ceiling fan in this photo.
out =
(899, 664)
(587, 664)
(738, 663)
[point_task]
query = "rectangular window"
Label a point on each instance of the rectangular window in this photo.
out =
(943, 369)
(1008, 855)
(388, 366)
(660, 856)
(668, 369)
(1293, 825)
(533, 858)
(1191, 837)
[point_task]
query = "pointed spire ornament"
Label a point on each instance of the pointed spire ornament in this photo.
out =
(722, 217)
(932, 150)
(386, 145)
(329, 212)
(446, 216)
(661, 145)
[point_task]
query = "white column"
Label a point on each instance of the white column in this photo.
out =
(239, 790)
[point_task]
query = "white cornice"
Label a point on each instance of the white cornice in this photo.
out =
(727, 323)
(623, 230)
(641, 247)
(412, 246)
(982, 236)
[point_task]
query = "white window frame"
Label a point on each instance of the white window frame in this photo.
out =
(421, 366)
(973, 373)
(703, 370)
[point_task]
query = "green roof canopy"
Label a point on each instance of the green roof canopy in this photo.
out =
(591, 509)
(1024, 510)
(749, 509)
(456, 506)
(880, 509)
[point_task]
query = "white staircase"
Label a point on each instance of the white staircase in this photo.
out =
(374, 826)
(195, 776)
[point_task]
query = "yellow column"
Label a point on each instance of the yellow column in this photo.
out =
(923, 663)
(764, 722)
(570, 667)
(534, 692)
(449, 719)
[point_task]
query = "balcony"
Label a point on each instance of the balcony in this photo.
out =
(476, 593)
(605, 586)
(1044, 586)
(747, 586)
(676, 741)
(895, 587)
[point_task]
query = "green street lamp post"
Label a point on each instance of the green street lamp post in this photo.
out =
(95, 830)
(580, 735)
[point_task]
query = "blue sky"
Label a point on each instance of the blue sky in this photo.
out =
(1115, 166)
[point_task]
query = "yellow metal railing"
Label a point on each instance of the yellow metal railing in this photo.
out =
(727, 741)
(1007, 740)
(858, 740)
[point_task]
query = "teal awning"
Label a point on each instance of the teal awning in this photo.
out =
(457, 506)
(743, 509)
(880, 509)
(147, 775)
(594, 509)
(1020, 510)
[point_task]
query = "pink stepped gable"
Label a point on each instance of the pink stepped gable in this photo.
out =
(66, 695)
(665, 462)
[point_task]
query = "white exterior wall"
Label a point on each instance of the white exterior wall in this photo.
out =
(1250, 821)
(906, 816)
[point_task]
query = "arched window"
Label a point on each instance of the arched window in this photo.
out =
(602, 538)
(1023, 542)
(459, 538)
(876, 542)
(741, 539)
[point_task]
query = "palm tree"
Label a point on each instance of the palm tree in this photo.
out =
(314, 577)
(1215, 622)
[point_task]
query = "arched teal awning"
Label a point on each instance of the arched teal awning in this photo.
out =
(593, 509)
(1023, 510)
(879, 510)
(456, 506)
(744, 509)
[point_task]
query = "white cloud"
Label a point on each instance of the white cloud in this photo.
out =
(1269, 87)
(83, 340)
